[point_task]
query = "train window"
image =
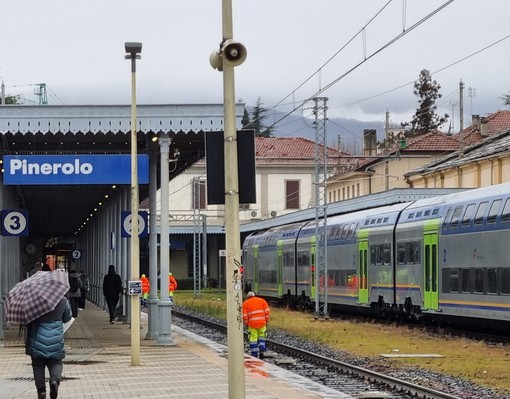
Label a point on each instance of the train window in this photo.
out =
(446, 280)
(426, 213)
(480, 212)
(385, 220)
(416, 249)
(352, 229)
(456, 216)
(454, 280)
(401, 253)
(505, 281)
(505, 215)
(372, 221)
(492, 281)
(418, 214)
(468, 214)
(386, 254)
(411, 215)
(435, 212)
(447, 217)
(493, 212)
(413, 252)
(288, 259)
(479, 281)
(379, 221)
(345, 231)
(372, 255)
(366, 222)
(466, 280)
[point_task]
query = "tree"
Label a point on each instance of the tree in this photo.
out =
(10, 100)
(257, 118)
(506, 99)
(426, 119)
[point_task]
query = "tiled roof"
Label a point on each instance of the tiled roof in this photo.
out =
(433, 141)
(492, 124)
(289, 150)
(486, 148)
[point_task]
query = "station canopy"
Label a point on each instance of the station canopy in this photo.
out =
(59, 210)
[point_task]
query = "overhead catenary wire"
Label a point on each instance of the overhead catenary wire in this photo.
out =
(368, 57)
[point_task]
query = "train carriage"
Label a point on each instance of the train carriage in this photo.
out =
(442, 258)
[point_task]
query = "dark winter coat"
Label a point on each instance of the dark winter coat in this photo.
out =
(75, 275)
(112, 284)
(45, 335)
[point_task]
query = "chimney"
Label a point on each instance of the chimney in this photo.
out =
(475, 121)
(484, 127)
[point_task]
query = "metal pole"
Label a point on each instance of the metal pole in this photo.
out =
(135, 242)
(236, 378)
(164, 304)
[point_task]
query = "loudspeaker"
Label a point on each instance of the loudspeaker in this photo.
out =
(234, 53)
(216, 60)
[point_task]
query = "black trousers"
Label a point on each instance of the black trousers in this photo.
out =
(73, 301)
(112, 305)
(38, 366)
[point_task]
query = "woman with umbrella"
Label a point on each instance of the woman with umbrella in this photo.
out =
(39, 302)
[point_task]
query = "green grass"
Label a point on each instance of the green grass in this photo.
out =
(485, 364)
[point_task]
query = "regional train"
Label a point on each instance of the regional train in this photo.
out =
(442, 258)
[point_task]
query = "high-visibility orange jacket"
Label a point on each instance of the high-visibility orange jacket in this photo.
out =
(146, 285)
(256, 312)
(172, 283)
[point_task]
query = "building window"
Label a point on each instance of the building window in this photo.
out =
(292, 194)
(199, 194)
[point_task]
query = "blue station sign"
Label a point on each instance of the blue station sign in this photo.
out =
(73, 169)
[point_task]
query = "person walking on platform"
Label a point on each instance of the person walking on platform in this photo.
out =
(45, 345)
(86, 286)
(112, 290)
(172, 285)
(74, 294)
(256, 314)
(146, 287)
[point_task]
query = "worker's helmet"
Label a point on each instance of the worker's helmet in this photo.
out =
(143, 275)
(170, 274)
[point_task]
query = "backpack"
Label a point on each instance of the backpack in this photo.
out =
(73, 283)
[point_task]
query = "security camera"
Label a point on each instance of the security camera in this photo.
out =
(234, 53)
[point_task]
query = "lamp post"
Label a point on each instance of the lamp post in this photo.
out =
(133, 50)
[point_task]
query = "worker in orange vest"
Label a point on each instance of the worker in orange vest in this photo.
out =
(256, 315)
(146, 286)
(172, 285)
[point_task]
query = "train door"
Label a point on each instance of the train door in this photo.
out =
(313, 268)
(279, 267)
(430, 264)
(363, 267)
(256, 277)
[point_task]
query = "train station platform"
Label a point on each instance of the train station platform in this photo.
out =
(98, 365)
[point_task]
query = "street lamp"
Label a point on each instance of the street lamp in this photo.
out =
(133, 50)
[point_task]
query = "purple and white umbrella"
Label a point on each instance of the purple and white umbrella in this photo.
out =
(35, 296)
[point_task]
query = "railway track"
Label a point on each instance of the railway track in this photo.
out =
(351, 379)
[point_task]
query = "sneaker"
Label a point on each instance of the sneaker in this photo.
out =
(53, 390)
(112, 321)
(261, 355)
(41, 395)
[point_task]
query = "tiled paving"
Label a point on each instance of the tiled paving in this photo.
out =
(98, 365)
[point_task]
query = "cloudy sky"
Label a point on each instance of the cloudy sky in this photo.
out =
(362, 55)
